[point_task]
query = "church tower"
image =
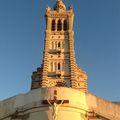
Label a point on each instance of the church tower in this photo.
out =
(59, 67)
(62, 93)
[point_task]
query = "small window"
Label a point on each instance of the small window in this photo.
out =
(55, 92)
(65, 25)
(59, 44)
(58, 66)
(53, 25)
(59, 25)
(55, 45)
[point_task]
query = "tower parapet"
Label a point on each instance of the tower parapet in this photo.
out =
(59, 67)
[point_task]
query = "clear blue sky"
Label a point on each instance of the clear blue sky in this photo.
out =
(97, 44)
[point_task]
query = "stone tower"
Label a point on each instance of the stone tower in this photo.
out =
(62, 86)
(59, 67)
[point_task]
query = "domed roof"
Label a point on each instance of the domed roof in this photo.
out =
(60, 6)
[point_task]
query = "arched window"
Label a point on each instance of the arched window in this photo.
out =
(59, 25)
(53, 25)
(58, 66)
(58, 44)
(65, 25)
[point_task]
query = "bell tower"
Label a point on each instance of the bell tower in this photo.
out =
(59, 67)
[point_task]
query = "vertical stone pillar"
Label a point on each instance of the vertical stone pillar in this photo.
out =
(48, 25)
(71, 50)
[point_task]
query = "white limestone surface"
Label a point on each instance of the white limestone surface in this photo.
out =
(31, 103)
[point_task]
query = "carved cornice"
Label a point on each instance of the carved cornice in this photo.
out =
(59, 15)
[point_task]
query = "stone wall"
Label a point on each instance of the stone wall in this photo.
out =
(103, 107)
(81, 106)
(29, 106)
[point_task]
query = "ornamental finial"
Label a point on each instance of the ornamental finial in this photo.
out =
(60, 6)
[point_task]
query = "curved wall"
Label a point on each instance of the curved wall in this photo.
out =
(30, 105)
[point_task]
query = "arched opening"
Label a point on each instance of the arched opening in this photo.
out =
(59, 25)
(65, 25)
(58, 66)
(59, 45)
(53, 25)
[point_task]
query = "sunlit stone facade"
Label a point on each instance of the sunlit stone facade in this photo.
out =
(59, 86)
(59, 67)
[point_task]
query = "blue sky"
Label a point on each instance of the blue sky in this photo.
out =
(97, 44)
